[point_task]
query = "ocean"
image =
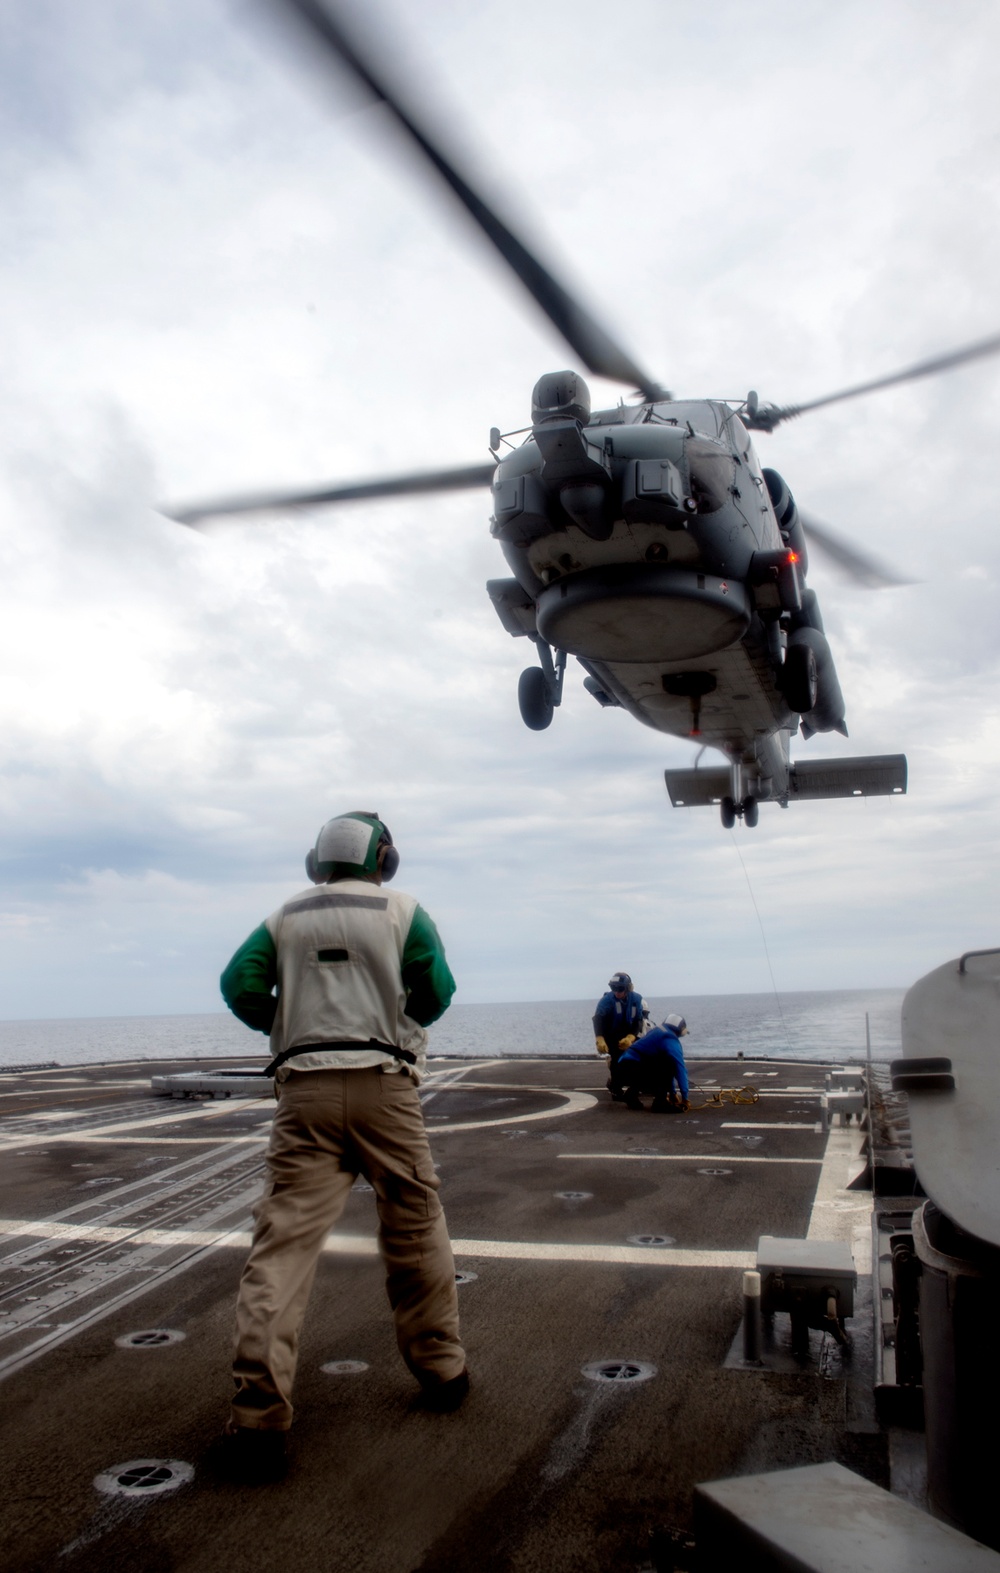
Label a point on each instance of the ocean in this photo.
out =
(824, 1025)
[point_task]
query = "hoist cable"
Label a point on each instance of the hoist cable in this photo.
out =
(767, 953)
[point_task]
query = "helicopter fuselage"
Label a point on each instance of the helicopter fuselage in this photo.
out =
(648, 542)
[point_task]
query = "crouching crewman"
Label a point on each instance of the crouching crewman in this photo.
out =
(655, 1063)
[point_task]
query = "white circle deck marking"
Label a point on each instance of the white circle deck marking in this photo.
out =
(574, 1196)
(466, 1277)
(569, 1102)
(144, 1477)
(651, 1239)
(619, 1371)
(715, 1171)
(150, 1338)
(344, 1367)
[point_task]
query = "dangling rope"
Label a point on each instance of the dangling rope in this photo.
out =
(767, 953)
(718, 1100)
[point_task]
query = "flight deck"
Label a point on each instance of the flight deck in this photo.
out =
(600, 1255)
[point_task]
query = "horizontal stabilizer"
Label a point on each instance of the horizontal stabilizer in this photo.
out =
(877, 775)
(693, 788)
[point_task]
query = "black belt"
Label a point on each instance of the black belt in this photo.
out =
(403, 1055)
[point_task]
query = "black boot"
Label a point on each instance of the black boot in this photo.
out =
(251, 1456)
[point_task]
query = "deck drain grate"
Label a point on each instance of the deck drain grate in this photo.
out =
(466, 1277)
(651, 1239)
(574, 1196)
(715, 1171)
(150, 1338)
(344, 1367)
(144, 1477)
(619, 1371)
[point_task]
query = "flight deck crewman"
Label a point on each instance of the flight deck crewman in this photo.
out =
(621, 1016)
(655, 1063)
(360, 973)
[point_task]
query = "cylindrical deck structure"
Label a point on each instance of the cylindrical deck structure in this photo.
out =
(959, 1296)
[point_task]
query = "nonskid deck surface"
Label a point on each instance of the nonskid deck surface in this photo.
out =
(584, 1233)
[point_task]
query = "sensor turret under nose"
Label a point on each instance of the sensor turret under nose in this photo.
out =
(560, 395)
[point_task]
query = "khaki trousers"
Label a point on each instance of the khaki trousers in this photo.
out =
(330, 1126)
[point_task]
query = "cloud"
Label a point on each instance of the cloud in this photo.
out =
(220, 274)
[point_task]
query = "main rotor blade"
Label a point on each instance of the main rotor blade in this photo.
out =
(583, 333)
(457, 480)
(862, 568)
(770, 415)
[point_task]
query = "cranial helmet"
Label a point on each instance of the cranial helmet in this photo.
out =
(352, 846)
(678, 1023)
(620, 980)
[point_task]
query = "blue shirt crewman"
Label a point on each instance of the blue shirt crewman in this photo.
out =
(622, 1015)
(655, 1063)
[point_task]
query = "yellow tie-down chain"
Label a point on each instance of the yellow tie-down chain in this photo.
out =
(724, 1095)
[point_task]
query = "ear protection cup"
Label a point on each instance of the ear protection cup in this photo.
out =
(388, 861)
(311, 868)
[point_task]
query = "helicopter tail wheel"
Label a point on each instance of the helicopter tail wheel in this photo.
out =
(799, 679)
(727, 809)
(535, 699)
(751, 811)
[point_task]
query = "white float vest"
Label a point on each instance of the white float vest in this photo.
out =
(340, 951)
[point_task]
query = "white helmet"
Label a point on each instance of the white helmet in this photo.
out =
(352, 846)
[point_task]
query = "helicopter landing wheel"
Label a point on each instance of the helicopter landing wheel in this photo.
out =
(534, 698)
(751, 812)
(727, 808)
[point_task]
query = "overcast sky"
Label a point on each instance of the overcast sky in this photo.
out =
(219, 271)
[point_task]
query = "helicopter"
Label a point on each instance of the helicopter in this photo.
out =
(645, 540)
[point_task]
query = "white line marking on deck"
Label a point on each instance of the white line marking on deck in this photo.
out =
(685, 1157)
(784, 1092)
(164, 1141)
(644, 1256)
(367, 1245)
(67, 1330)
(436, 1080)
(837, 1213)
(569, 1103)
(196, 1114)
(762, 1125)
